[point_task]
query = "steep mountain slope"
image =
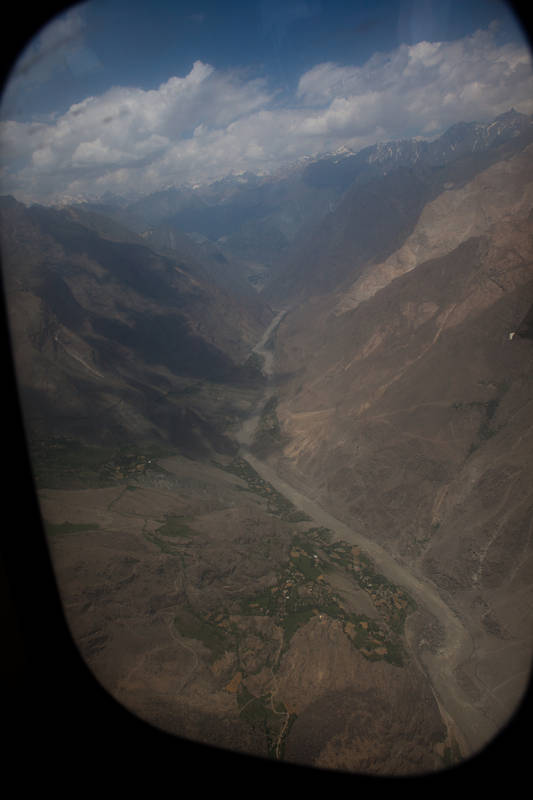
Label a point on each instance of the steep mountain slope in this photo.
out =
(109, 336)
(199, 256)
(223, 272)
(389, 189)
(412, 420)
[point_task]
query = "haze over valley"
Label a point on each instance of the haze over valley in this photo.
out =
(280, 418)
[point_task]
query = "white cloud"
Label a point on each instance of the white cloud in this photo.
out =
(209, 123)
(430, 82)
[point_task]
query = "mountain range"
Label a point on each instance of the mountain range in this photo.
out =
(261, 223)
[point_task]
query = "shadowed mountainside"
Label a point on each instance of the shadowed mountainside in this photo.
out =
(110, 337)
(413, 419)
(384, 201)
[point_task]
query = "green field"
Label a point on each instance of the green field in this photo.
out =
(55, 529)
(62, 463)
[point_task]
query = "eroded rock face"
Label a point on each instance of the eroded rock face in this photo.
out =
(412, 420)
(503, 192)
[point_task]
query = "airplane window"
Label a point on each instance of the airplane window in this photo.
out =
(268, 289)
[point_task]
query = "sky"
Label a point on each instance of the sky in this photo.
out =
(132, 97)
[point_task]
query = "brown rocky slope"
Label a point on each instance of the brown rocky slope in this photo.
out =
(413, 419)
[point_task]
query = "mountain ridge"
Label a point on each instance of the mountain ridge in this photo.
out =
(259, 222)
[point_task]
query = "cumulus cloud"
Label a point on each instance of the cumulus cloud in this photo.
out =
(209, 123)
(429, 85)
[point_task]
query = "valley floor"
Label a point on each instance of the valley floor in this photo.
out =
(220, 603)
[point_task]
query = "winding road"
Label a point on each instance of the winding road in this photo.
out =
(470, 727)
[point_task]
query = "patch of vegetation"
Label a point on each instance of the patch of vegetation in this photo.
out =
(309, 567)
(284, 603)
(299, 593)
(54, 528)
(452, 755)
(171, 537)
(295, 618)
(271, 718)
(323, 534)
(175, 526)
(295, 516)
(124, 464)
(302, 592)
(277, 503)
(63, 463)
(268, 435)
(264, 603)
(194, 626)
(393, 603)
(60, 462)
(252, 370)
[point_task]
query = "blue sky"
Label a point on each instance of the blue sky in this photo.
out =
(130, 97)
